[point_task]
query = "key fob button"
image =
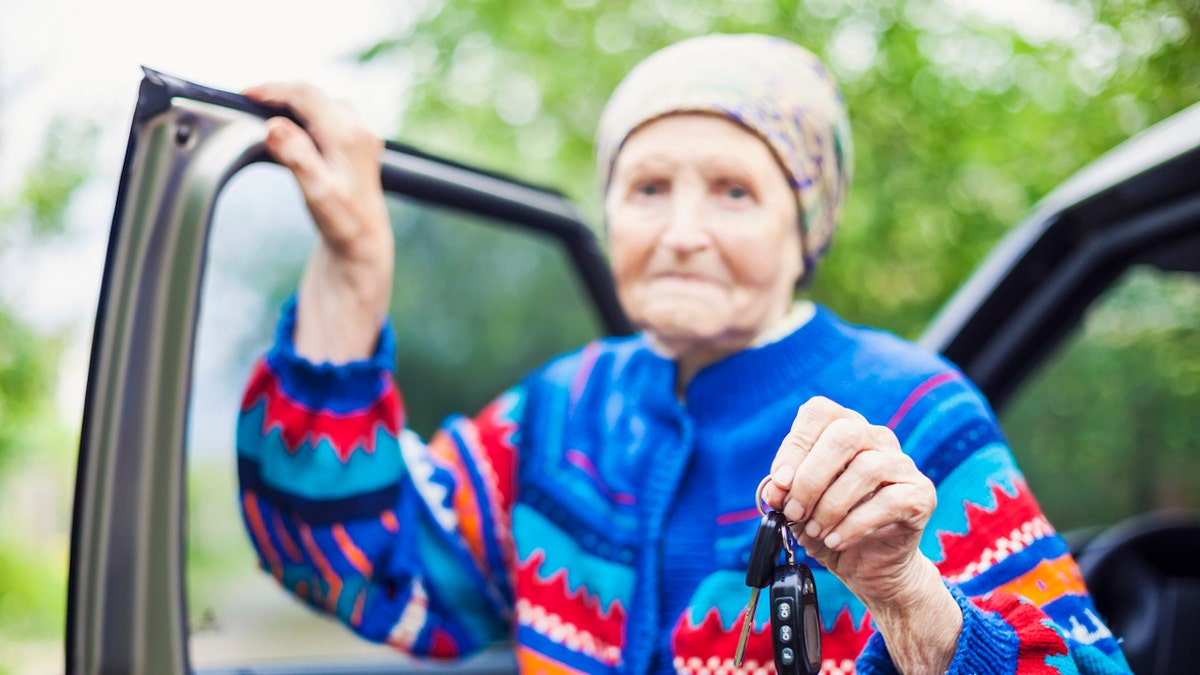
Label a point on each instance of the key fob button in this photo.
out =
(787, 655)
(783, 610)
(785, 633)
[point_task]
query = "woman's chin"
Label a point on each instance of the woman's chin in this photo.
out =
(673, 336)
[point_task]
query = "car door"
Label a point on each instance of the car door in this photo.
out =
(1083, 329)
(128, 604)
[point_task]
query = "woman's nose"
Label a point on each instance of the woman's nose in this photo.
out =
(686, 231)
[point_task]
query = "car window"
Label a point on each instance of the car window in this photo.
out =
(1107, 428)
(474, 307)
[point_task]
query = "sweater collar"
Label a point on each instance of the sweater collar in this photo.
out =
(747, 380)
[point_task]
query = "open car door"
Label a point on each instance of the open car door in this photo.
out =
(1117, 247)
(127, 604)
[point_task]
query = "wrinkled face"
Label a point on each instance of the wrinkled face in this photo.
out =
(703, 234)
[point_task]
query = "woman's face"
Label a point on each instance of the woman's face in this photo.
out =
(704, 235)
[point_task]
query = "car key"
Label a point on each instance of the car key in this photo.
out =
(795, 622)
(764, 555)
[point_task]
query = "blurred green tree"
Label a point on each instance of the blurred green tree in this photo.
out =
(33, 595)
(964, 114)
(1108, 427)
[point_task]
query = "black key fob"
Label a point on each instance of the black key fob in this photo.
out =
(795, 623)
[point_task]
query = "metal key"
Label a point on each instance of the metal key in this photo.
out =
(764, 555)
(795, 623)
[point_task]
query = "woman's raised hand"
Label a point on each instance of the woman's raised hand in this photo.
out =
(859, 505)
(346, 288)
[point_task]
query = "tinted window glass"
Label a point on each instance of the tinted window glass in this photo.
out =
(1108, 427)
(475, 306)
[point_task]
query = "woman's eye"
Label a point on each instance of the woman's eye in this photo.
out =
(649, 189)
(735, 191)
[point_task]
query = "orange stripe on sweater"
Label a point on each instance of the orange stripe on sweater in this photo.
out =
(259, 530)
(464, 500)
(356, 616)
(331, 578)
(388, 518)
(351, 551)
(285, 539)
(1049, 581)
(529, 661)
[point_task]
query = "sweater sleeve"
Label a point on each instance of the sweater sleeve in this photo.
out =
(1025, 607)
(407, 543)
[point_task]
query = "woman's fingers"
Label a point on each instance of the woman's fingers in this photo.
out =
(831, 469)
(836, 449)
(332, 124)
(325, 192)
(905, 504)
(823, 439)
(336, 161)
(850, 460)
(877, 489)
(294, 149)
(306, 101)
(852, 487)
(810, 422)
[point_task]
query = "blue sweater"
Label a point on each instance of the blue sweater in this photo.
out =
(602, 525)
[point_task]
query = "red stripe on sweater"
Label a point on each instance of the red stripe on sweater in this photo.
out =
(738, 516)
(993, 534)
(298, 423)
(1037, 640)
(708, 647)
(549, 606)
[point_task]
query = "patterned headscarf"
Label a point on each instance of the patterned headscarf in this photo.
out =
(776, 89)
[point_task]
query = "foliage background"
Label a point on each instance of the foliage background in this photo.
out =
(35, 445)
(965, 113)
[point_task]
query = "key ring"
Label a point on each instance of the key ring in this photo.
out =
(758, 500)
(785, 530)
(785, 533)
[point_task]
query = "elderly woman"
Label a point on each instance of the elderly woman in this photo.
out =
(600, 513)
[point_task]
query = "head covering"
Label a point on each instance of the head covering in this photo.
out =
(776, 89)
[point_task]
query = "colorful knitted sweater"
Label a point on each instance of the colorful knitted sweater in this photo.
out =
(600, 524)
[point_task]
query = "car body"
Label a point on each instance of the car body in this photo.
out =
(127, 605)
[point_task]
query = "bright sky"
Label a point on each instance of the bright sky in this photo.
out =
(81, 59)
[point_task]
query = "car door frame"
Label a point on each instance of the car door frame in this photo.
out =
(1138, 204)
(126, 604)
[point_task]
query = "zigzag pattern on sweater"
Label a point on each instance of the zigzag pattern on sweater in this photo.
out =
(993, 535)
(299, 424)
(573, 619)
(707, 648)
